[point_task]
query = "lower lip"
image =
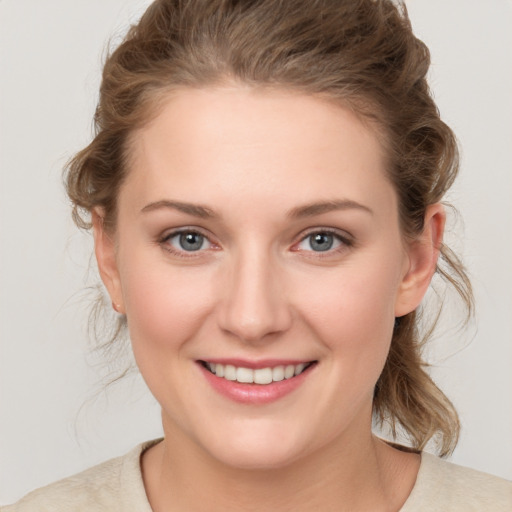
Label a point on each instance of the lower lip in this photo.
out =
(255, 393)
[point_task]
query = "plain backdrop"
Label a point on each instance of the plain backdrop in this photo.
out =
(51, 52)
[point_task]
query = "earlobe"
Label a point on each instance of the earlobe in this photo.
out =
(105, 251)
(423, 253)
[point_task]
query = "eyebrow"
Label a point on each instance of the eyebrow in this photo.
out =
(319, 208)
(299, 212)
(195, 210)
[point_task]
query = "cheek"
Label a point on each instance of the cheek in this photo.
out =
(165, 305)
(352, 311)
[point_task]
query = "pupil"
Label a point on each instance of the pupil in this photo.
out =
(321, 242)
(191, 241)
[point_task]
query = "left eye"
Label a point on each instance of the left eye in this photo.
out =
(189, 241)
(320, 241)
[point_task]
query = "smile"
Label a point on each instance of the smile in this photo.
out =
(256, 383)
(260, 376)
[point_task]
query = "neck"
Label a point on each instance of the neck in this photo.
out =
(348, 474)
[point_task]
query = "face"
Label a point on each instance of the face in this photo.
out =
(258, 240)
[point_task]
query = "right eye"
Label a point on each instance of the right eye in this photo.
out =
(321, 241)
(185, 241)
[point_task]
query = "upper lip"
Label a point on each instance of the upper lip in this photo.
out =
(255, 365)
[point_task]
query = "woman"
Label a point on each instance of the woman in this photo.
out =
(264, 190)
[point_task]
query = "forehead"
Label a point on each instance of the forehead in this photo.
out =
(222, 142)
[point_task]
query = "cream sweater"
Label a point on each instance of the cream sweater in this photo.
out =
(117, 486)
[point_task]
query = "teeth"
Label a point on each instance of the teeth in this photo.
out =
(245, 375)
(278, 373)
(289, 371)
(230, 372)
(299, 369)
(263, 376)
(259, 376)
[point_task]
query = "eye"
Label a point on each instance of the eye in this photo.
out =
(186, 241)
(323, 241)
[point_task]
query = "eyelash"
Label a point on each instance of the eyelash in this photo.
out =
(164, 242)
(346, 242)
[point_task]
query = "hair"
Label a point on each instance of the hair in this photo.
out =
(361, 54)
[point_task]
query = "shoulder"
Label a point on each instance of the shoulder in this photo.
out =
(443, 486)
(114, 485)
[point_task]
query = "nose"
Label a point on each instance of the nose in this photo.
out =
(255, 304)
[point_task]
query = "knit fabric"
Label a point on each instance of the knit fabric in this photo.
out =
(117, 486)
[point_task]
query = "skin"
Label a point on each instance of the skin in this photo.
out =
(257, 289)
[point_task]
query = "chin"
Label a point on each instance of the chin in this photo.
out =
(257, 448)
(256, 458)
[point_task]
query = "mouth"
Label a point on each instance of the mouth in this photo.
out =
(260, 376)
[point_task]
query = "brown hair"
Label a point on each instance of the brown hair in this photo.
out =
(360, 53)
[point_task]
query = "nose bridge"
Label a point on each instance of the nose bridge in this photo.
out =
(255, 304)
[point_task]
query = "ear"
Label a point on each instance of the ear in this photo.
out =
(105, 250)
(423, 253)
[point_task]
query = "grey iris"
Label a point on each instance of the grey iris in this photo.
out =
(321, 241)
(191, 241)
